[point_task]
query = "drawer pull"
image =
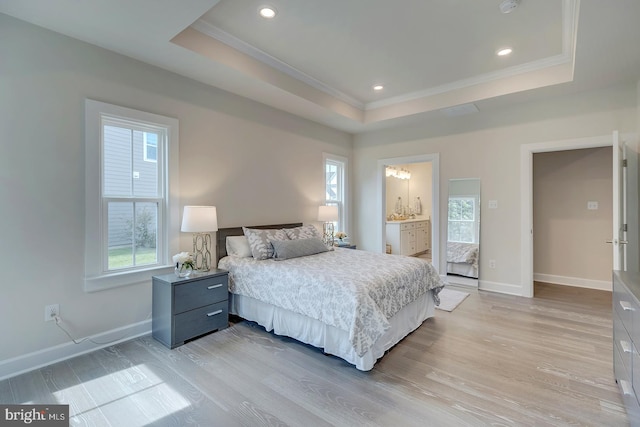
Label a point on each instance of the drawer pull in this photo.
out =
(214, 286)
(626, 347)
(626, 388)
(213, 313)
(626, 306)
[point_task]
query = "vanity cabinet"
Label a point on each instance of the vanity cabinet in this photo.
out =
(626, 340)
(423, 236)
(408, 237)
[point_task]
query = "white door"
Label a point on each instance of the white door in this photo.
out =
(619, 240)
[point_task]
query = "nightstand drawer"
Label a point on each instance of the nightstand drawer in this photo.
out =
(200, 293)
(201, 320)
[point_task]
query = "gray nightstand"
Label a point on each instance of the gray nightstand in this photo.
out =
(346, 245)
(184, 308)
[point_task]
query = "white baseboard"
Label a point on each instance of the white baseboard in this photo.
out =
(484, 285)
(602, 285)
(38, 359)
(503, 288)
(462, 281)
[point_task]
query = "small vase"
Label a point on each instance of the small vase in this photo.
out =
(183, 270)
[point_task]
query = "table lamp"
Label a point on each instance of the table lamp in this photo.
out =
(328, 215)
(200, 220)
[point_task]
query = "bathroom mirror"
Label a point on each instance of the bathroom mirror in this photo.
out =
(463, 231)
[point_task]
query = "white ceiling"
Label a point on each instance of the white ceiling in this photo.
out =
(320, 59)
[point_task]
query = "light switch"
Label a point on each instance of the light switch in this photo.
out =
(592, 206)
(493, 204)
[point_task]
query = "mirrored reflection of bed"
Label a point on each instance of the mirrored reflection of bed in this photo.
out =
(350, 303)
(463, 231)
(462, 259)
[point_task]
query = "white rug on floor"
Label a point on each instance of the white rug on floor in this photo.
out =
(450, 299)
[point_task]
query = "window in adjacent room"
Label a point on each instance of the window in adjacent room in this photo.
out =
(131, 166)
(150, 145)
(335, 188)
(462, 219)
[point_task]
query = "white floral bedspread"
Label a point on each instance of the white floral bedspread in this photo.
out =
(353, 290)
(462, 252)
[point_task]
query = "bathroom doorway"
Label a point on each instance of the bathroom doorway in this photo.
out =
(409, 206)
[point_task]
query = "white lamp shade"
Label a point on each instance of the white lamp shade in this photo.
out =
(328, 213)
(199, 219)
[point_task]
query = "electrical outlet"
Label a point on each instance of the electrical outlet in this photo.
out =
(492, 263)
(51, 311)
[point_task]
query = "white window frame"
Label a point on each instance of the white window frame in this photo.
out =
(475, 221)
(343, 206)
(96, 276)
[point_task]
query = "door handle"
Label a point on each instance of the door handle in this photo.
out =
(615, 241)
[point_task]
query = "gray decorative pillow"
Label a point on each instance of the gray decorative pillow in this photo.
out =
(260, 241)
(285, 249)
(305, 232)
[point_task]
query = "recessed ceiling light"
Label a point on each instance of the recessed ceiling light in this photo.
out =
(267, 12)
(504, 52)
(378, 87)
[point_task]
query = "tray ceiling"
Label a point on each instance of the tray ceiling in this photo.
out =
(320, 60)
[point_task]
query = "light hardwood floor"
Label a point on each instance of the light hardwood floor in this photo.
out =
(495, 360)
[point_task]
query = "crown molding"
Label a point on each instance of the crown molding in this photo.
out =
(472, 81)
(570, 10)
(248, 49)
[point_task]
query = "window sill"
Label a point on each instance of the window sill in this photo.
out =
(125, 278)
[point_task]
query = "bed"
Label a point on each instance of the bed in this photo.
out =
(462, 259)
(350, 303)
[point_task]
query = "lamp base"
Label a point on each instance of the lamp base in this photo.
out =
(328, 237)
(201, 252)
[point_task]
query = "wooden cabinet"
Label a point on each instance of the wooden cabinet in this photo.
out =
(626, 340)
(423, 236)
(184, 308)
(408, 237)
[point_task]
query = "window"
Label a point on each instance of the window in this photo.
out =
(131, 201)
(335, 168)
(150, 147)
(462, 220)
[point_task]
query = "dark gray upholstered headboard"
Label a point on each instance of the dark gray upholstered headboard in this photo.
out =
(221, 236)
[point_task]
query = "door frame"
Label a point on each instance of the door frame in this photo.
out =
(434, 159)
(526, 196)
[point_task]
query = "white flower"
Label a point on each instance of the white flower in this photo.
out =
(341, 235)
(182, 257)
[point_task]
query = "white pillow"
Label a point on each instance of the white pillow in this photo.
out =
(238, 246)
